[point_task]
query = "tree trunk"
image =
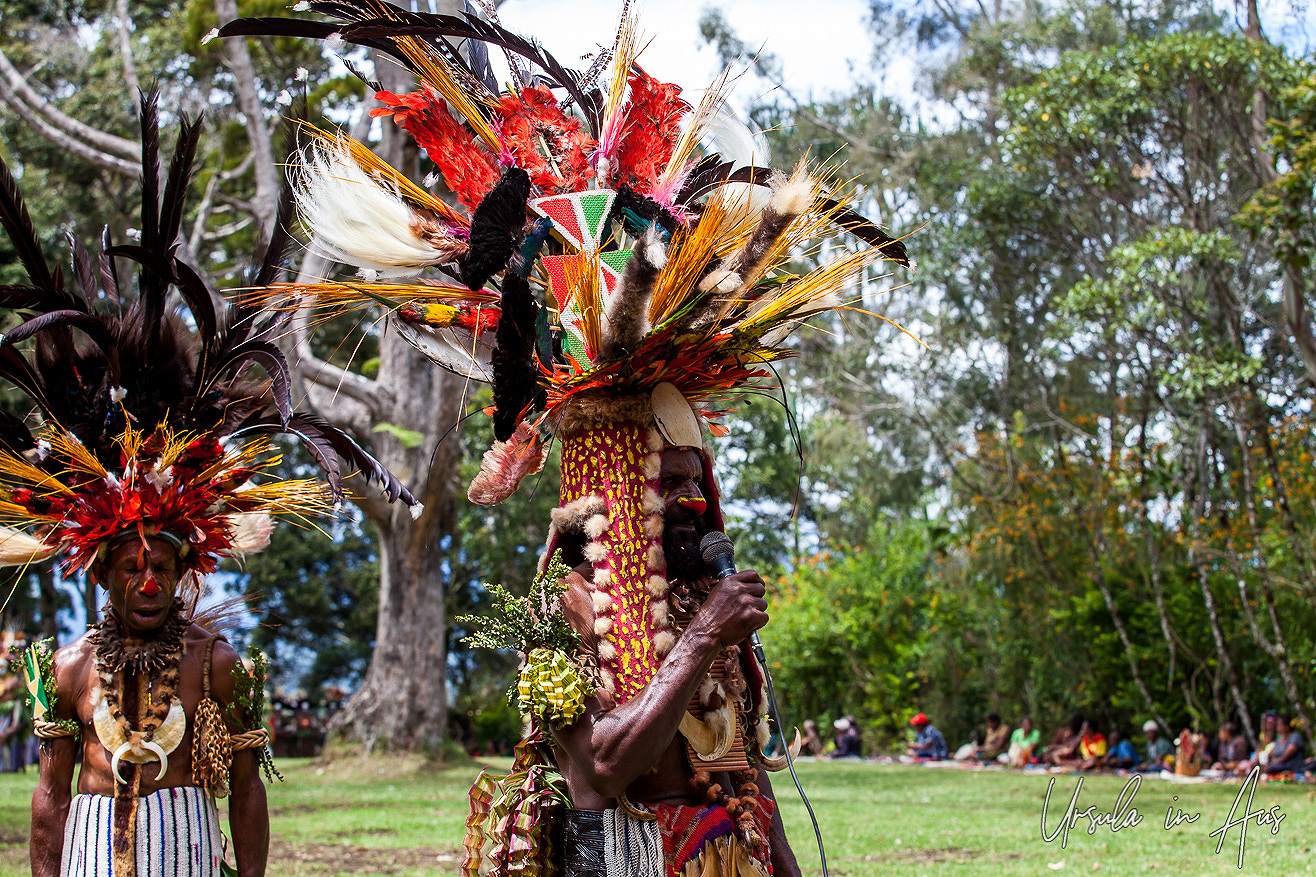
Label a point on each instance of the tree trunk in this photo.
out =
(47, 599)
(1197, 488)
(403, 701)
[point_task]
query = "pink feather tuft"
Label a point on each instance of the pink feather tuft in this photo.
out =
(506, 464)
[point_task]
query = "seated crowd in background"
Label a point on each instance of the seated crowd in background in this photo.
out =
(1078, 745)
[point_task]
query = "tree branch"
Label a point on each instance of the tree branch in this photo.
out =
(64, 141)
(126, 50)
(34, 105)
(265, 203)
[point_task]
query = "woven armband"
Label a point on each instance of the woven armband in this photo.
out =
(52, 730)
(255, 739)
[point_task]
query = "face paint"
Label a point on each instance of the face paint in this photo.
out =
(696, 504)
(150, 587)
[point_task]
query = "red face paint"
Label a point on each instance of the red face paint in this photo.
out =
(150, 588)
(696, 504)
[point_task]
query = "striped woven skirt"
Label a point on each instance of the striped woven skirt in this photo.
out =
(177, 835)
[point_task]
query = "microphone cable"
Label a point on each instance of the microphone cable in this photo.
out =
(790, 762)
(719, 554)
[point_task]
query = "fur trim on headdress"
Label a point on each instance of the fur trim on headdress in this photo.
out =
(571, 517)
(590, 411)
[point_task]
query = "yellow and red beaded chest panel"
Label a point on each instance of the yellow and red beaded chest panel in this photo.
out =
(612, 471)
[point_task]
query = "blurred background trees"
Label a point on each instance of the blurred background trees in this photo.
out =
(1088, 486)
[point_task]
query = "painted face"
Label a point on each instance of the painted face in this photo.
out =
(141, 579)
(681, 485)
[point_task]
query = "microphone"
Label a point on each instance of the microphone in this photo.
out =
(720, 558)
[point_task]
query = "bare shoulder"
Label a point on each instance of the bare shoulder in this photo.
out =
(72, 667)
(223, 658)
(73, 661)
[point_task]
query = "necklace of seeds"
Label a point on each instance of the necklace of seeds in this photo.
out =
(119, 657)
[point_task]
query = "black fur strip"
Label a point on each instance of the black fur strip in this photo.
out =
(495, 226)
(515, 373)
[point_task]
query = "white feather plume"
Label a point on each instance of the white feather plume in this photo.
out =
(355, 220)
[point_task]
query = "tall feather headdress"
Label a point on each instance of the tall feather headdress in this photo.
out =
(150, 421)
(608, 273)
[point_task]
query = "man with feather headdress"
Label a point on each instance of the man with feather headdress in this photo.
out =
(619, 292)
(151, 463)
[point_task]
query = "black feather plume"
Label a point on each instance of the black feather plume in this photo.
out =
(109, 272)
(92, 373)
(495, 226)
(326, 443)
(17, 224)
(82, 269)
(180, 176)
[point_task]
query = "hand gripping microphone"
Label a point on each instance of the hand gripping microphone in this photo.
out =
(720, 558)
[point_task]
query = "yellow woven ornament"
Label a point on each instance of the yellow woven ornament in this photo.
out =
(550, 687)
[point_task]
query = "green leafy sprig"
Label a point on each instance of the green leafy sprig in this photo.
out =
(247, 709)
(530, 622)
(44, 654)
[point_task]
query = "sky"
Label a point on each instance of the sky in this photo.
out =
(824, 45)
(820, 52)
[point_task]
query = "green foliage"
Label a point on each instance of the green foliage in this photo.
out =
(849, 631)
(1282, 208)
(315, 599)
(529, 622)
(408, 438)
(551, 684)
(1097, 436)
(43, 652)
(247, 709)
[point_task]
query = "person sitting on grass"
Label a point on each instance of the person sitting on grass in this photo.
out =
(1063, 751)
(812, 745)
(1064, 743)
(1265, 745)
(1231, 749)
(1289, 754)
(929, 744)
(1122, 754)
(847, 739)
(1084, 753)
(1023, 742)
(998, 738)
(1159, 750)
(993, 744)
(1092, 748)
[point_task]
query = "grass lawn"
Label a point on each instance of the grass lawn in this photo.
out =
(395, 817)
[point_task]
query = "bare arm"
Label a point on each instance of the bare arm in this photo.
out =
(50, 800)
(248, 817)
(248, 813)
(613, 748)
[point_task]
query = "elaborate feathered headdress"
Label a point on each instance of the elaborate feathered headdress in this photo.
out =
(149, 420)
(611, 278)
